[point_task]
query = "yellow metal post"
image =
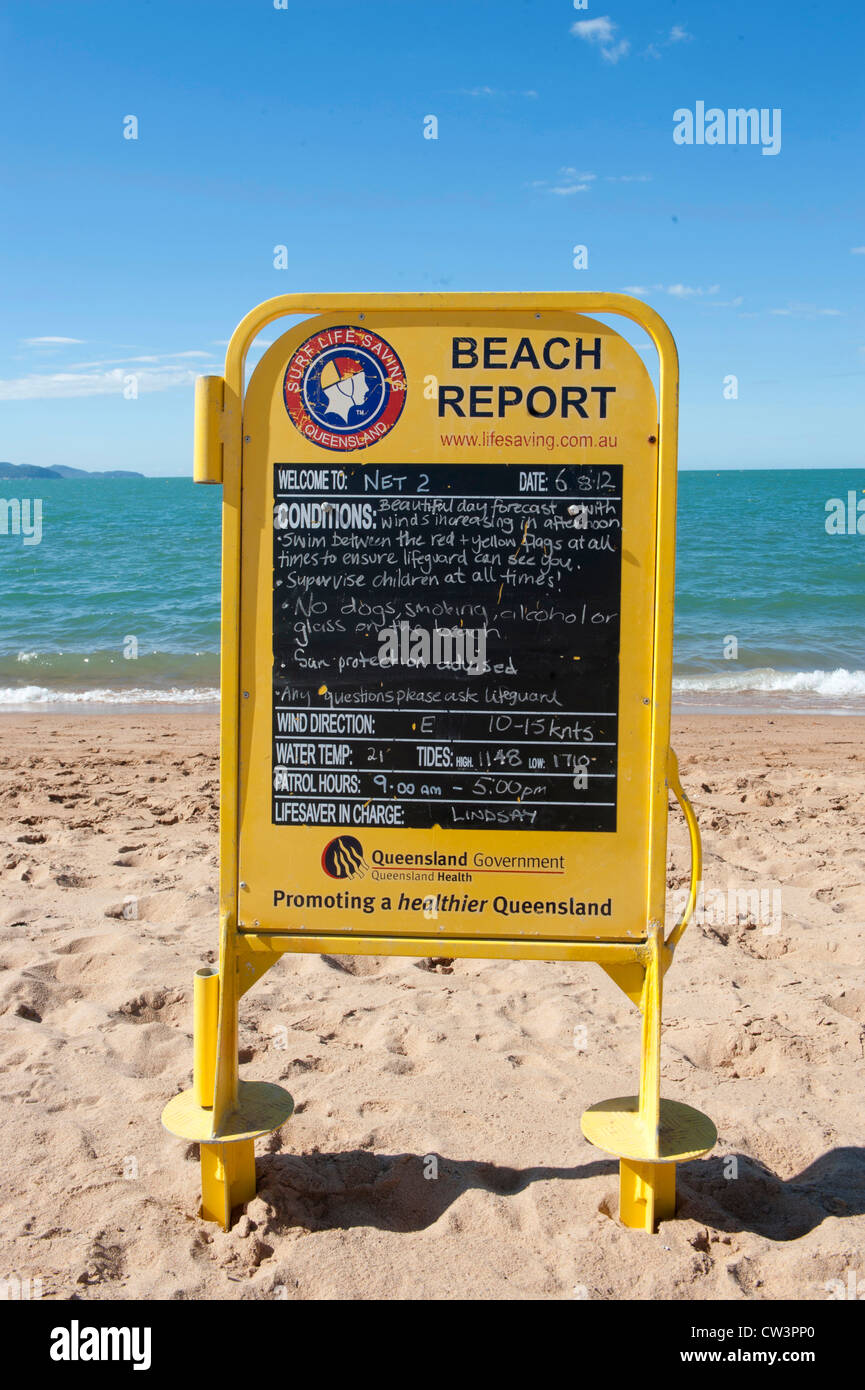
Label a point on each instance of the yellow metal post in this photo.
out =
(227, 1169)
(223, 1115)
(647, 1191)
(647, 1194)
(220, 1113)
(227, 1179)
(649, 1134)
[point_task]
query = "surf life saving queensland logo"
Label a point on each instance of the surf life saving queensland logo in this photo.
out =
(344, 388)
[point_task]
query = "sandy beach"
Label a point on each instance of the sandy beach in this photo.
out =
(109, 873)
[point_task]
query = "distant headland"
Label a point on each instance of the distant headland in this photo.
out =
(61, 470)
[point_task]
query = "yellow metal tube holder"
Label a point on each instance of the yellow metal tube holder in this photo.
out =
(205, 1017)
(207, 447)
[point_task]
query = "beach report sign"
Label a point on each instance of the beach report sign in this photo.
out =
(447, 717)
(448, 532)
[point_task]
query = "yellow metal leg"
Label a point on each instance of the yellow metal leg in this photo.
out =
(649, 1135)
(227, 1179)
(221, 1113)
(647, 1194)
(650, 1043)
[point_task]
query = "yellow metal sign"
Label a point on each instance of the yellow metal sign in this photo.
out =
(448, 631)
(447, 623)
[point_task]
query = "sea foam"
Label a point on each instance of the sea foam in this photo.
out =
(839, 684)
(42, 695)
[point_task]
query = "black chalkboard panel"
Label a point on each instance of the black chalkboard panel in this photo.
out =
(446, 646)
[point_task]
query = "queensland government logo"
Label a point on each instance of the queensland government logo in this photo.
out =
(344, 388)
(343, 858)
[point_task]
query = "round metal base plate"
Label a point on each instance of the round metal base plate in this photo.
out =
(614, 1125)
(262, 1107)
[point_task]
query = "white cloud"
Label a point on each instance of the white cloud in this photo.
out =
(574, 180)
(602, 33)
(494, 92)
(151, 359)
(857, 250)
(680, 291)
(39, 342)
(806, 311)
(689, 291)
(595, 30)
(69, 385)
(619, 50)
(678, 34)
(569, 181)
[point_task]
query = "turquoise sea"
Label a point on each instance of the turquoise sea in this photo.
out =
(119, 602)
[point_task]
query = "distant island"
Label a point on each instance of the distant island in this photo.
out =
(61, 470)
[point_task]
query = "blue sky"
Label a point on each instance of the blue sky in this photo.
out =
(303, 126)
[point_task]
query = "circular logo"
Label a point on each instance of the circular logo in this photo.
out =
(344, 388)
(343, 858)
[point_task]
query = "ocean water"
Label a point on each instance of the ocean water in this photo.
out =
(755, 563)
(119, 602)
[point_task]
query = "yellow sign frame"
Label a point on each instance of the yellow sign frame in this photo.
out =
(587, 862)
(225, 1114)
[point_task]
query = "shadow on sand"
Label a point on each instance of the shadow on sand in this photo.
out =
(324, 1191)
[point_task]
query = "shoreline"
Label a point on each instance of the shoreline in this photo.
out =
(680, 710)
